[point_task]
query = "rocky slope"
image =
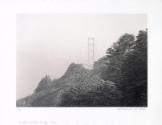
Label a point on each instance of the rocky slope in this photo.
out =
(77, 87)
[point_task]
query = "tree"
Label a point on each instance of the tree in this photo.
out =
(45, 83)
(133, 76)
(125, 63)
(109, 66)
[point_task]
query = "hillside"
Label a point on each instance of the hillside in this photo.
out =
(77, 87)
(119, 78)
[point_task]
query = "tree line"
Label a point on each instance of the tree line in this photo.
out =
(125, 63)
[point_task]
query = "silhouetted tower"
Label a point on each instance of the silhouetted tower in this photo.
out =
(91, 56)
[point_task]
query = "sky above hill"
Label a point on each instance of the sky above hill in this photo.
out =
(47, 44)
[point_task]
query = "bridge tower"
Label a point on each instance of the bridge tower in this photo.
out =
(91, 52)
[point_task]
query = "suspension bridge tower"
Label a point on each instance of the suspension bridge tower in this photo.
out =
(91, 52)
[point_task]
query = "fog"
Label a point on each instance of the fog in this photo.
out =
(47, 44)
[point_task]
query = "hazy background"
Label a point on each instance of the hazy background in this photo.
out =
(47, 44)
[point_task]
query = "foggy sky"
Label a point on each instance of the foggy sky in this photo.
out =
(47, 44)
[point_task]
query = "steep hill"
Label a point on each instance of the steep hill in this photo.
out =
(77, 87)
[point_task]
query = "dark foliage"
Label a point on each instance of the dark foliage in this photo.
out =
(101, 96)
(44, 84)
(126, 64)
(133, 78)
